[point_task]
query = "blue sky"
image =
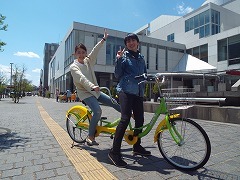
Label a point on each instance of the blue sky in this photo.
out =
(32, 23)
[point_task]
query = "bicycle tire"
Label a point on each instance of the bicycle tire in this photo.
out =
(193, 153)
(76, 133)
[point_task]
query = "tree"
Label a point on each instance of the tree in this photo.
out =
(155, 92)
(147, 92)
(4, 28)
(2, 84)
(18, 77)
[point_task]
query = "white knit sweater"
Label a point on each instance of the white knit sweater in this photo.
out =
(83, 74)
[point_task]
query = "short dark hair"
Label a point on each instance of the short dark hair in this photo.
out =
(130, 36)
(82, 46)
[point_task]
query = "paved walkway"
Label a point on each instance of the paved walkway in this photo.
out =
(34, 145)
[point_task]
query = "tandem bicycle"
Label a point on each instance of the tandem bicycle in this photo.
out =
(181, 141)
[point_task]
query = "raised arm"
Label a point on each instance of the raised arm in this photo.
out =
(119, 64)
(93, 54)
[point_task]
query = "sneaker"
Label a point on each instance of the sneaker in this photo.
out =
(91, 143)
(139, 150)
(117, 160)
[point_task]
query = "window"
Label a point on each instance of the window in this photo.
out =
(205, 24)
(201, 18)
(189, 51)
(222, 50)
(170, 37)
(196, 21)
(200, 52)
(233, 48)
(228, 49)
(196, 52)
(196, 31)
(207, 30)
(201, 32)
(207, 17)
(187, 26)
(204, 52)
(112, 46)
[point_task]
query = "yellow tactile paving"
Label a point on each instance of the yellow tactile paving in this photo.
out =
(85, 164)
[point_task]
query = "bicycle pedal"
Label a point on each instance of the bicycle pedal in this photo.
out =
(103, 118)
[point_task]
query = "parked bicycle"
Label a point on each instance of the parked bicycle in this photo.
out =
(181, 141)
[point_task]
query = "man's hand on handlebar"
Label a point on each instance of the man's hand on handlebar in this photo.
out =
(151, 77)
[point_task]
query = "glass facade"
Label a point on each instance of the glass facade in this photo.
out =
(200, 52)
(228, 49)
(205, 24)
(69, 50)
(222, 50)
(113, 44)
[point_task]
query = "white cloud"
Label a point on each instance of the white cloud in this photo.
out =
(181, 9)
(5, 69)
(36, 70)
(27, 76)
(27, 54)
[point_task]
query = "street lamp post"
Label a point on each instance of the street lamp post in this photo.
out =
(11, 74)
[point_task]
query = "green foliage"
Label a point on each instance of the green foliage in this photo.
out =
(2, 88)
(3, 27)
(113, 91)
(2, 83)
(18, 79)
(155, 89)
(48, 94)
(147, 91)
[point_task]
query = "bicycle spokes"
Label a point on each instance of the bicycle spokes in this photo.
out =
(192, 149)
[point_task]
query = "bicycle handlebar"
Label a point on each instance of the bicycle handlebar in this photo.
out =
(158, 77)
(109, 93)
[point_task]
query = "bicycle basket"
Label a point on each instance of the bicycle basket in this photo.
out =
(179, 100)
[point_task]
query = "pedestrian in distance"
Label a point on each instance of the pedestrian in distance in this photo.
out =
(57, 95)
(88, 90)
(129, 64)
(69, 93)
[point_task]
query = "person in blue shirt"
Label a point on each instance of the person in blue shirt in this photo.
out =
(129, 64)
(69, 93)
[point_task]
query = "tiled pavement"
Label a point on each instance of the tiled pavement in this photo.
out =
(28, 149)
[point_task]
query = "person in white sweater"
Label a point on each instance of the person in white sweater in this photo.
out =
(82, 71)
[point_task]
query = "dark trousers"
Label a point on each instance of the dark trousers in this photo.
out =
(129, 104)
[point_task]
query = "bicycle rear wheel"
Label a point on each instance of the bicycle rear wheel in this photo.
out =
(77, 134)
(193, 151)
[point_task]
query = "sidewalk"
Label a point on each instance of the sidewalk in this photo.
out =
(29, 150)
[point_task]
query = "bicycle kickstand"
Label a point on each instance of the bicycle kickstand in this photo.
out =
(72, 144)
(77, 145)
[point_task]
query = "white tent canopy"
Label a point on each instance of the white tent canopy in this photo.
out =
(189, 63)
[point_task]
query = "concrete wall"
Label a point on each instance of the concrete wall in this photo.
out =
(210, 113)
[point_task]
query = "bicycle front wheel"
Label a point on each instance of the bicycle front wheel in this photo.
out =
(76, 133)
(194, 149)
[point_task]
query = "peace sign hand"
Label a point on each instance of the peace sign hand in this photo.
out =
(105, 34)
(120, 52)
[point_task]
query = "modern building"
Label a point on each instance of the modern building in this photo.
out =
(159, 55)
(49, 51)
(211, 33)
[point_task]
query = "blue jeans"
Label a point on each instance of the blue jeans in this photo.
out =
(93, 104)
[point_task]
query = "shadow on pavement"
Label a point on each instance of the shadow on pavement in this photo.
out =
(213, 174)
(9, 139)
(154, 163)
(135, 162)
